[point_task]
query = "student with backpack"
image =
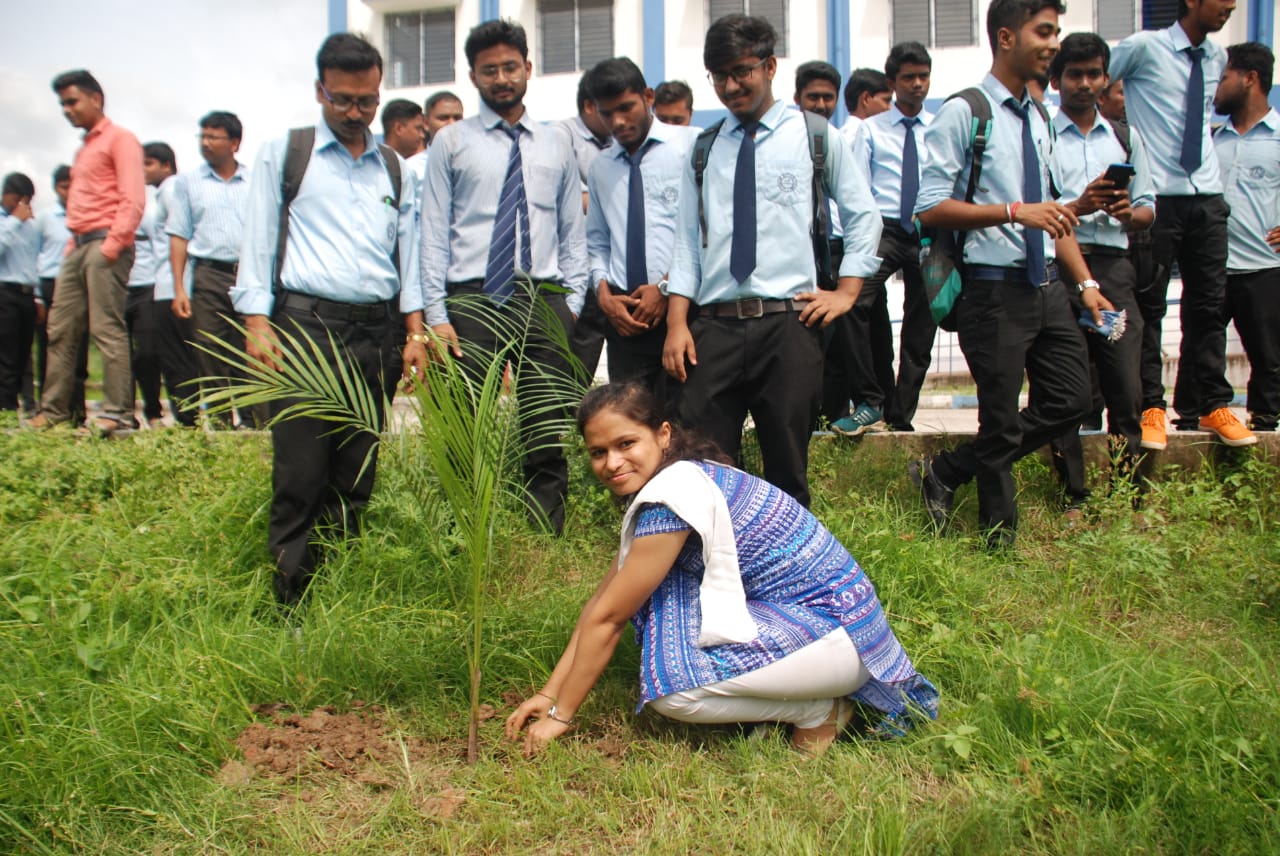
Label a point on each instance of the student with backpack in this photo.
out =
(1013, 314)
(330, 251)
(745, 313)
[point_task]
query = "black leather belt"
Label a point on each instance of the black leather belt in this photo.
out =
(18, 286)
(747, 308)
(89, 237)
(987, 273)
(295, 302)
(1103, 250)
(226, 267)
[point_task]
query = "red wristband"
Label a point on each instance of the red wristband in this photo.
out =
(1013, 211)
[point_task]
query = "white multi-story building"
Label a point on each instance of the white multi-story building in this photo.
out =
(422, 40)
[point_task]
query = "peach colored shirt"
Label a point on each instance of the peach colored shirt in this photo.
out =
(107, 186)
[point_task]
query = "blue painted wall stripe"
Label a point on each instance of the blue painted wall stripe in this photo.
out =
(337, 16)
(838, 49)
(654, 59)
(488, 10)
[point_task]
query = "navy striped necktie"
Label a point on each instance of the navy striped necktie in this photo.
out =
(513, 209)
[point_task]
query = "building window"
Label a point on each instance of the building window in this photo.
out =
(1159, 14)
(773, 11)
(421, 46)
(1115, 19)
(574, 34)
(935, 23)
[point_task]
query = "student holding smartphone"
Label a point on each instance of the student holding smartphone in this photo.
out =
(1112, 197)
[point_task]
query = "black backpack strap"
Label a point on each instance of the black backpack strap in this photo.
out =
(817, 126)
(1124, 135)
(392, 161)
(979, 135)
(297, 155)
(701, 152)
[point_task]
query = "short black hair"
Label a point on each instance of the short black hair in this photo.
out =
(17, 182)
(671, 91)
(906, 53)
(1012, 14)
(398, 110)
(162, 152)
(80, 79)
(443, 95)
(1255, 57)
(1079, 47)
(347, 52)
(808, 72)
(61, 174)
(735, 36)
(584, 94)
(500, 31)
(862, 80)
(615, 77)
(224, 121)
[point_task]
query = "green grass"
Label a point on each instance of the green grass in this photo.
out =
(1105, 691)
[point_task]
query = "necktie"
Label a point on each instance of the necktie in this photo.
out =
(910, 176)
(513, 208)
(1031, 194)
(1193, 131)
(742, 255)
(637, 264)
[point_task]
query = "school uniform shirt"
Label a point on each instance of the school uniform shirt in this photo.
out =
(465, 174)
(585, 145)
(1079, 158)
(784, 215)
(878, 145)
(209, 212)
(944, 173)
(343, 229)
(19, 242)
(666, 150)
(164, 271)
(54, 235)
(1156, 69)
(1251, 178)
(145, 241)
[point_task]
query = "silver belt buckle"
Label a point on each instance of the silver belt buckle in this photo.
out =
(750, 307)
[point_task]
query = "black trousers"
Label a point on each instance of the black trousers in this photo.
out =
(542, 372)
(588, 337)
(1006, 328)
(1253, 301)
(77, 411)
(212, 315)
(319, 478)
(1117, 365)
(160, 352)
(17, 329)
(770, 367)
(1191, 230)
(639, 358)
(872, 377)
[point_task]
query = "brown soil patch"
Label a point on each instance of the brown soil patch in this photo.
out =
(292, 744)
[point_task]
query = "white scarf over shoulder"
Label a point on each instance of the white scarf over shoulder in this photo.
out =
(692, 494)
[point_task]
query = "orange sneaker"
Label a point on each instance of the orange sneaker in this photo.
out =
(1228, 428)
(1154, 433)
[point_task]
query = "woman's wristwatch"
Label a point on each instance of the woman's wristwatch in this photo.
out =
(551, 714)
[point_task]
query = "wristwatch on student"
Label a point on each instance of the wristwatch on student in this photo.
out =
(664, 285)
(1088, 283)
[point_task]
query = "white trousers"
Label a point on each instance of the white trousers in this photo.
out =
(798, 689)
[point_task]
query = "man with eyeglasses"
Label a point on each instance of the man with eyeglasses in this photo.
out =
(344, 271)
(485, 227)
(205, 226)
(744, 313)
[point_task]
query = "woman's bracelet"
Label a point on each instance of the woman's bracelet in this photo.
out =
(549, 698)
(551, 714)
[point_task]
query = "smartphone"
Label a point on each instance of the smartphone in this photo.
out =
(1119, 174)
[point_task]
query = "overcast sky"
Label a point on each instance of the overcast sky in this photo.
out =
(162, 65)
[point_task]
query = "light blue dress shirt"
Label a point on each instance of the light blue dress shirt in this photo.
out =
(210, 213)
(19, 245)
(1251, 178)
(1156, 69)
(460, 201)
(164, 271)
(944, 172)
(609, 185)
(54, 234)
(586, 148)
(878, 143)
(784, 211)
(146, 240)
(1080, 158)
(343, 229)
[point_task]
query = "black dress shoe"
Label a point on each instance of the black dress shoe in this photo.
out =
(939, 499)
